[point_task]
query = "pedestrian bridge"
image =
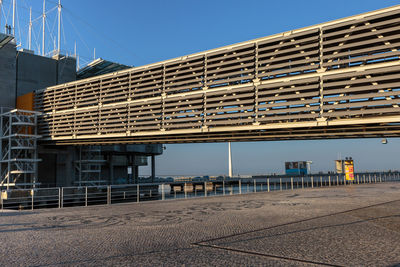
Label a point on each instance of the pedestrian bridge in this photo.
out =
(339, 79)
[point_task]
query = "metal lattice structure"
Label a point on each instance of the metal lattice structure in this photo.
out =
(338, 79)
(88, 166)
(18, 164)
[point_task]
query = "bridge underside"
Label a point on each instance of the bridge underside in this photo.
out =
(339, 79)
(378, 130)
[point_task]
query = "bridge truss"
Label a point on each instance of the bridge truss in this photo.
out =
(339, 79)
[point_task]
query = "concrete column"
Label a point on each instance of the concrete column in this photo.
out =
(135, 174)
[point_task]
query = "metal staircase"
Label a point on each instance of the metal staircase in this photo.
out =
(18, 149)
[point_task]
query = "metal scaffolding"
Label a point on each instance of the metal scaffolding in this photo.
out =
(88, 166)
(18, 149)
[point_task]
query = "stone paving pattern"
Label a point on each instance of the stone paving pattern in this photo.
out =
(357, 225)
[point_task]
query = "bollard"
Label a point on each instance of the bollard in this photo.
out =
(137, 193)
(86, 196)
(337, 180)
(280, 182)
(320, 181)
(369, 178)
(247, 187)
(375, 178)
(268, 184)
(32, 192)
(162, 192)
(240, 186)
(312, 182)
(302, 182)
(380, 177)
(205, 189)
(255, 186)
(124, 195)
(62, 197)
(291, 182)
(358, 179)
(223, 188)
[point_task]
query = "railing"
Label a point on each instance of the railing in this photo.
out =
(60, 197)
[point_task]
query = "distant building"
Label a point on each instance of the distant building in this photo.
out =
(296, 168)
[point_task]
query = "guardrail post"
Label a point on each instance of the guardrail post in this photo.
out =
(329, 180)
(375, 177)
(344, 179)
(62, 197)
(184, 189)
(291, 182)
(59, 198)
(302, 182)
(255, 185)
(268, 185)
(380, 177)
(320, 181)
(312, 182)
(223, 188)
(162, 192)
(32, 192)
(358, 179)
(86, 196)
(240, 187)
(280, 184)
(137, 193)
(108, 195)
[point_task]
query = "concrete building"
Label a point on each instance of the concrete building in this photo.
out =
(21, 72)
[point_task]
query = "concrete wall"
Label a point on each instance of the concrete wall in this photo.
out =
(7, 75)
(37, 72)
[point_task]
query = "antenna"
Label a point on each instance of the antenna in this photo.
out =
(13, 18)
(30, 28)
(43, 27)
(230, 159)
(59, 26)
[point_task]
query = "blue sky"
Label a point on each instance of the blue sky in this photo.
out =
(142, 32)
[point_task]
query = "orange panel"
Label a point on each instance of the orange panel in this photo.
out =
(25, 101)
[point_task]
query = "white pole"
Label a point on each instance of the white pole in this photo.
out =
(230, 159)
(43, 26)
(59, 26)
(94, 53)
(30, 29)
(13, 18)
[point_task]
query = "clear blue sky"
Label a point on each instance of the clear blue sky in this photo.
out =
(142, 32)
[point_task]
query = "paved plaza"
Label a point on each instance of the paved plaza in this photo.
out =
(357, 225)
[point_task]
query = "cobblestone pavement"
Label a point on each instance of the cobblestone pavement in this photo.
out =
(357, 225)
